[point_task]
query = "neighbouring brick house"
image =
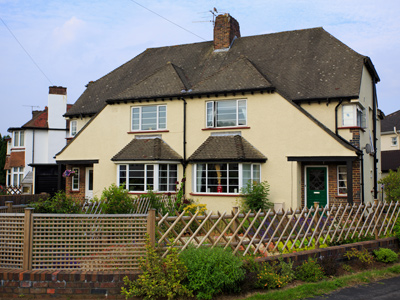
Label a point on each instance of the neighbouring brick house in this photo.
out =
(298, 109)
(390, 132)
(30, 162)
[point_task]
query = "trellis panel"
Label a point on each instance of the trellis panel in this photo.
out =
(11, 240)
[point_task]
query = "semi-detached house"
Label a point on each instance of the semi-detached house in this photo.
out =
(297, 109)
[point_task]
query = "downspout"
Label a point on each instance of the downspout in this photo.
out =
(362, 177)
(336, 109)
(33, 146)
(184, 163)
(374, 140)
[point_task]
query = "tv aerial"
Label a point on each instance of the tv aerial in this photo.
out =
(214, 12)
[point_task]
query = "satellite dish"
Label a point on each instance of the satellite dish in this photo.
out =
(368, 148)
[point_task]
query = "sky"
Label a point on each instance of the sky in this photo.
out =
(69, 43)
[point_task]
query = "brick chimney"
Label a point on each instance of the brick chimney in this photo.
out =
(57, 90)
(226, 28)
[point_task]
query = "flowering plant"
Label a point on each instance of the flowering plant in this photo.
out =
(68, 173)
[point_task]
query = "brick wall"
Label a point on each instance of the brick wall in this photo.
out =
(225, 29)
(79, 195)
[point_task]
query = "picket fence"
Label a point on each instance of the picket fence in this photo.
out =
(94, 241)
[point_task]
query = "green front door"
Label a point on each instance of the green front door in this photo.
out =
(316, 186)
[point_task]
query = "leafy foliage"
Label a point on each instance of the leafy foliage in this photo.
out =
(60, 203)
(385, 255)
(212, 271)
(391, 185)
(116, 200)
(255, 196)
(3, 151)
(364, 257)
(275, 275)
(310, 271)
(161, 277)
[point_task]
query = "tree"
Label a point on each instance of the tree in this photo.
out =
(3, 151)
(391, 185)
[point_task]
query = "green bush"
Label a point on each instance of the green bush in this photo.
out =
(310, 271)
(116, 200)
(275, 275)
(161, 277)
(60, 203)
(212, 271)
(385, 255)
(254, 196)
(364, 257)
(391, 185)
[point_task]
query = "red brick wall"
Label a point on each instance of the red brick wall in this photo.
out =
(79, 195)
(225, 29)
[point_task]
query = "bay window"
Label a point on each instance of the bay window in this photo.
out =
(143, 177)
(353, 115)
(17, 176)
(227, 178)
(226, 113)
(149, 117)
(73, 128)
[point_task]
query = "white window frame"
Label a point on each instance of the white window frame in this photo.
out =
(394, 141)
(354, 120)
(156, 176)
(212, 106)
(18, 138)
(338, 180)
(241, 184)
(75, 179)
(19, 172)
(73, 128)
(158, 126)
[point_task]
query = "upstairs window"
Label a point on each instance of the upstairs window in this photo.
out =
(226, 113)
(73, 128)
(353, 116)
(19, 139)
(149, 117)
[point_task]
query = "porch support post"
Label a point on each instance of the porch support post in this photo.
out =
(349, 165)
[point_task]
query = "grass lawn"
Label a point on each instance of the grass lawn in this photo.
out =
(308, 290)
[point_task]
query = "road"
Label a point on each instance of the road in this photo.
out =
(386, 289)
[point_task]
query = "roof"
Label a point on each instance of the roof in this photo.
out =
(16, 159)
(390, 160)
(390, 121)
(147, 149)
(301, 65)
(227, 148)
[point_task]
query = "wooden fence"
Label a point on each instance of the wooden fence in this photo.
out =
(106, 242)
(22, 199)
(265, 233)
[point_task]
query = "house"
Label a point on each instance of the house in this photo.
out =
(30, 162)
(297, 109)
(390, 132)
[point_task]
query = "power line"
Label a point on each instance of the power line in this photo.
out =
(168, 20)
(26, 51)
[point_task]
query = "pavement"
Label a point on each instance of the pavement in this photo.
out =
(386, 289)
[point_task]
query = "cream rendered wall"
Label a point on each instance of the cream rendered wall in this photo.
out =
(323, 112)
(108, 133)
(278, 129)
(386, 141)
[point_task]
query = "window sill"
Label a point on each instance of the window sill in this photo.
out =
(341, 196)
(17, 148)
(352, 127)
(216, 194)
(157, 193)
(74, 191)
(226, 128)
(148, 131)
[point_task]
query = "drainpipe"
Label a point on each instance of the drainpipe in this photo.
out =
(336, 109)
(374, 140)
(33, 146)
(362, 177)
(184, 163)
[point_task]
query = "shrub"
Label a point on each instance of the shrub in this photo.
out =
(310, 271)
(391, 185)
(116, 200)
(364, 257)
(212, 271)
(60, 203)
(161, 277)
(385, 255)
(255, 196)
(275, 275)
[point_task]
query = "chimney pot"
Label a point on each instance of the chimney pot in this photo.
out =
(226, 28)
(57, 90)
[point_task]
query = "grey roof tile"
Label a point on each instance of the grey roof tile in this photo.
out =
(227, 148)
(390, 121)
(146, 149)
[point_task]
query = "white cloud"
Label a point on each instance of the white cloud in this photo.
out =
(68, 32)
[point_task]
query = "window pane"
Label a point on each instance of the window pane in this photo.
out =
(210, 114)
(16, 138)
(348, 115)
(233, 184)
(136, 177)
(246, 176)
(135, 118)
(173, 177)
(21, 139)
(201, 178)
(149, 177)
(149, 117)
(256, 173)
(226, 113)
(162, 117)
(242, 112)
